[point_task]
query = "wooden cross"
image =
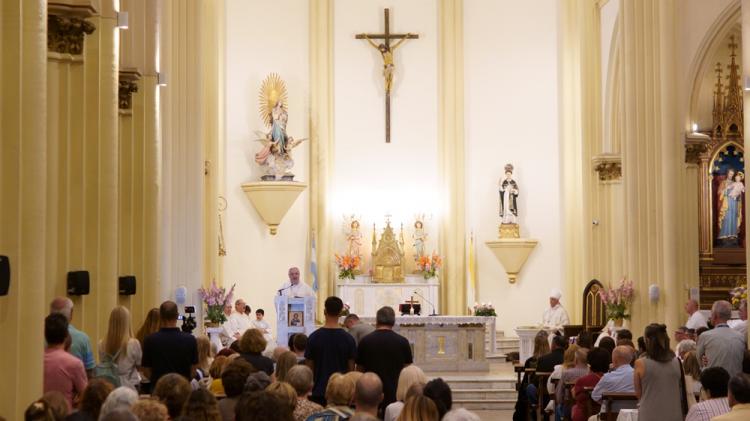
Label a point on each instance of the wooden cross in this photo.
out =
(386, 50)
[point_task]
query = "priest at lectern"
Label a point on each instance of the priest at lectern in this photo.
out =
(295, 288)
(555, 316)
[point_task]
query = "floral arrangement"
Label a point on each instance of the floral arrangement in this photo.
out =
(347, 265)
(618, 300)
(345, 311)
(215, 299)
(484, 310)
(737, 295)
(429, 265)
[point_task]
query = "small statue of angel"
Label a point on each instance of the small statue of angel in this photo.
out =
(419, 236)
(353, 236)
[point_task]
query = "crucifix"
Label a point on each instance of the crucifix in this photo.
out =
(386, 50)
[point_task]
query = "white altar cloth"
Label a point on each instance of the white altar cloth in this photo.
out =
(366, 297)
(488, 322)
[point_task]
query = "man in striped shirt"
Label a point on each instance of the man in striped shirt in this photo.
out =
(714, 402)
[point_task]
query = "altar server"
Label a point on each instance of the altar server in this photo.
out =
(555, 316)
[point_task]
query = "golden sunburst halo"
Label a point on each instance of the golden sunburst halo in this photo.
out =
(272, 90)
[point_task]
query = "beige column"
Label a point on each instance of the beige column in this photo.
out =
(190, 132)
(140, 246)
(23, 175)
(99, 158)
(746, 96)
(651, 157)
(580, 114)
(452, 241)
(321, 142)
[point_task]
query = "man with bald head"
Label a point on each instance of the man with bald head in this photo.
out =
(169, 350)
(368, 394)
(294, 287)
(722, 345)
(619, 378)
(696, 319)
(80, 345)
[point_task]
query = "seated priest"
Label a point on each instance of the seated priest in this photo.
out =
(295, 288)
(555, 317)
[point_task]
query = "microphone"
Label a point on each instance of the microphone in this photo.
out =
(284, 289)
(428, 302)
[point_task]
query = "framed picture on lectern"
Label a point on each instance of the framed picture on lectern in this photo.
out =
(296, 318)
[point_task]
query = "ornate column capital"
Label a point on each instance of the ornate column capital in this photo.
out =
(67, 25)
(696, 147)
(608, 166)
(128, 84)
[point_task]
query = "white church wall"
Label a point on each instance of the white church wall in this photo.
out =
(259, 42)
(511, 82)
(373, 178)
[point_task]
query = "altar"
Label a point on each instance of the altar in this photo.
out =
(446, 343)
(365, 297)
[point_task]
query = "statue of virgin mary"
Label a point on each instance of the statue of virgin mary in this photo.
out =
(730, 205)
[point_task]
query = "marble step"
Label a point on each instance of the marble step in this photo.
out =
(486, 405)
(484, 394)
(483, 383)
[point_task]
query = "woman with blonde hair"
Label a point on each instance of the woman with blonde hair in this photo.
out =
(150, 325)
(121, 348)
(409, 376)
(284, 363)
(419, 408)
(204, 356)
(285, 392)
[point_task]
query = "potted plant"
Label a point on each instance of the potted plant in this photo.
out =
(214, 299)
(617, 301)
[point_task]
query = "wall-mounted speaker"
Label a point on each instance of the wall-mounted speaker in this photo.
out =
(4, 275)
(127, 285)
(78, 282)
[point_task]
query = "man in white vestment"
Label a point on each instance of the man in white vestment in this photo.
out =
(555, 316)
(237, 322)
(227, 334)
(295, 288)
(696, 319)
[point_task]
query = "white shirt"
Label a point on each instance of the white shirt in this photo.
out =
(126, 363)
(555, 317)
(299, 290)
(696, 320)
(741, 327)
(264, 327)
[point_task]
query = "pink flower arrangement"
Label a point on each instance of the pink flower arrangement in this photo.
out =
(618, 300)
(215, 298)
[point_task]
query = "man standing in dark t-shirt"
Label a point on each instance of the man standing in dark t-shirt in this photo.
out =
(169, 350)
(385, 353)
(330, 349)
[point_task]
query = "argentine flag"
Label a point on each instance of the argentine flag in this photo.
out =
(314, 265)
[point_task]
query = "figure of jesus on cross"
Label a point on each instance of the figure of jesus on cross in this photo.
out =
(386, 51)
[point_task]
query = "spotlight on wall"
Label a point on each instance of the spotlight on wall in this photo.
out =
(122, 20)
(747, 83)
(161, 79)
(695, 127)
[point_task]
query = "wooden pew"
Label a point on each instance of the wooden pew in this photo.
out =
(609, 398)
(542, 394)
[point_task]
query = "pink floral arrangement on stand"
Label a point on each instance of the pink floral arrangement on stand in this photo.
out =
(617, 300)
(215, 298)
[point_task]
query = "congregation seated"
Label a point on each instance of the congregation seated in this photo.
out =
(598, 361)
(368, 394)
(301, 379)
(233, 380)
(607, 343)
(739, 399)
(714, 402)
(284, 363)
(440, 393)
(252, 344)
(692, 373)
(546, 364)
(618, 379)
(570, 375)
(91, 401)
(409, 376)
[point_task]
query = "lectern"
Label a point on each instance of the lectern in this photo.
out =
(293, 315)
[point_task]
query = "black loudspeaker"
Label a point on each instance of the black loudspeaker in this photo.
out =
(127, 285)
(4, 275)
(78, 282)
